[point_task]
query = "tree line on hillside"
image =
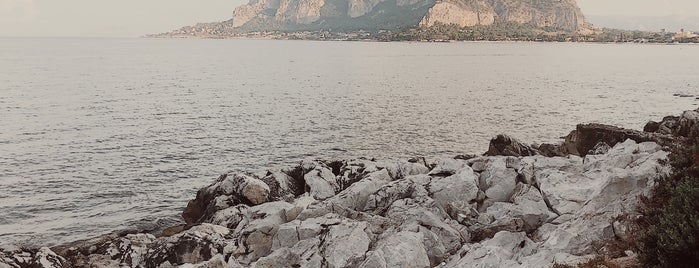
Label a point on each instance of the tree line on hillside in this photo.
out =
(512, 31)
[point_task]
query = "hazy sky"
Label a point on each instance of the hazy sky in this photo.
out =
(139, 17)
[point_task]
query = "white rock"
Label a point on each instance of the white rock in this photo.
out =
(447, 167)
(505, 249)
(497, 181)
(322, 183)
(456, 191)
(404, 249)
(345, 242)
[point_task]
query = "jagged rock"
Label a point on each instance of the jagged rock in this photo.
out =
(334, 240)
(198, 244)
(441, 236)
(282, 186)
(345, 242)
(667, 126)
(374, 259)
(527, 204)
(507, 146)
(447, 167)
(400, 169)
(379, 202)
(497, 181)
(587, 136)
(322, 183)
(255, 233)
(227, 191)
(675, 125)
(600, 148)
(354, 198)
(552, 150)
(497, 211)
(39, 258)
(505, 249)
(217, 261)
(686, 122)
(403, 249)
(456, 192)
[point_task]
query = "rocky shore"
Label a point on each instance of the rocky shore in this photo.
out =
(518, 205)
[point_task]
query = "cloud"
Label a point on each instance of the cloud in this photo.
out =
(15, 11)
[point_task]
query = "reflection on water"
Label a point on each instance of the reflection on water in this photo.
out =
(103, 134)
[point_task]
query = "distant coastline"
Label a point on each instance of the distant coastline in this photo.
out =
(443, 33)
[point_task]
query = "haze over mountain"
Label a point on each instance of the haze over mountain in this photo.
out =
(351, 15)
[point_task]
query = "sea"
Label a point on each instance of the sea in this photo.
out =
(104, 134)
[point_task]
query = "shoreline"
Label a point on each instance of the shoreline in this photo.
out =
(335, 198)
(411, 41)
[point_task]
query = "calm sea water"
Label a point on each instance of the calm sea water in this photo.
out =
(105, 134)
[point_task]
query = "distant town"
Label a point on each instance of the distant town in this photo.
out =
(442, 33)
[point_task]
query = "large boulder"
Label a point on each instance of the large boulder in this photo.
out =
(39, 258)
(505, 249)
(507, 146)
(675, 125)
(229, 190)
(497, 181)
(402, 249)
(456, 192)
(586, 136)
(331, 239)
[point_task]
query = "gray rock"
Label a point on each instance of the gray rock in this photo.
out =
(457, 192)
(374, 260)
(399, 169)
(527, 211)
(196, 245)
(497, 181)
(403, 249)
(505, 249)
(322, 183)
(507, 146)
(447, 167)
(527, 204)
(600, 148)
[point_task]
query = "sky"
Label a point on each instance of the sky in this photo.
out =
(133, 18)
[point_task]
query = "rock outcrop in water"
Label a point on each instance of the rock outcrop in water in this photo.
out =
(512, 208)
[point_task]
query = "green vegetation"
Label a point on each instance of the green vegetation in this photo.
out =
(512, 31)
(499, 31)
(670, 222)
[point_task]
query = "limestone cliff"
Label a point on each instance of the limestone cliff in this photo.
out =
(390, 14)
(556, 14)
(460, 12)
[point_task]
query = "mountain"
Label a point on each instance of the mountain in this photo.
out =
(349, 15)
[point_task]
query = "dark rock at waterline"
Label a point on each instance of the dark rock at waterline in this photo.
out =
(675, 125)
(667, 126)
(505, 145)
(553, 150)
(600, 148)
(587, 136)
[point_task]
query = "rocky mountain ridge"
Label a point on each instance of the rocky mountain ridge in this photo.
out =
(348, 15)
